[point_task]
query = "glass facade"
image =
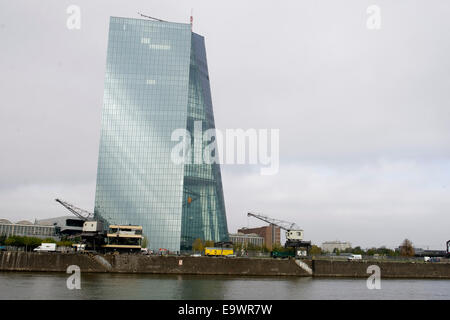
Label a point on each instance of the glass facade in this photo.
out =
(156, 82)
(203, 214)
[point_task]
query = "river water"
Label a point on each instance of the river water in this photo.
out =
(27, 285)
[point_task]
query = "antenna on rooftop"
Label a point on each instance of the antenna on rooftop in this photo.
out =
(143, 15)
(192, 18)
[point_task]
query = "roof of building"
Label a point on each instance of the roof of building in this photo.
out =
(52, 221)
(26, 222)
(336, 242)
(240, 234)
(4, 221)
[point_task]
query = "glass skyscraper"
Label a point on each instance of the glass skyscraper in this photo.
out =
(156, 82)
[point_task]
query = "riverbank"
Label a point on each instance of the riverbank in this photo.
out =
(98, 263)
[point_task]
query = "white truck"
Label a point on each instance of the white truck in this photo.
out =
(354, 257)
(46, 247)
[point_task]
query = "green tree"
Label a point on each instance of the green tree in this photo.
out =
(49, 240)
(385, 251)
(279, 248)
(357, 250)
(15, 241)
(315, 250)
(64, 243)
(31, 243)
(144, 242)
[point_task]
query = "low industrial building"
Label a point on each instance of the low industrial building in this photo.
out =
(246, 239)
(331, 246)
(270, 233)
(46, 228)
(27, 229)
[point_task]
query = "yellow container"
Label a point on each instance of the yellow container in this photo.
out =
(218, 251)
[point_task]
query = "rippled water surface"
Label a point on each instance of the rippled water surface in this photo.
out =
(26, 285)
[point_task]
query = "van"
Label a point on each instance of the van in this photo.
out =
(46, 247)
(354, 257)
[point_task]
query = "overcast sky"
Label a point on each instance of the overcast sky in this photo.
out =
(364, 115)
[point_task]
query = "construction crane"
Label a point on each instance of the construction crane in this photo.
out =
(294, 235)
(80, 213)
(280, 223)
(448, 249)
(148, 17)
(293, 232)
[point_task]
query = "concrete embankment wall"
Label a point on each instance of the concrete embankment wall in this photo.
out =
(388, 269)
(58, 262)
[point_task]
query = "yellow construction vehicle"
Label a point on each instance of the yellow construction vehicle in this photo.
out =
(219, 251)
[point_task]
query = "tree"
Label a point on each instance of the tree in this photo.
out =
(237, 246)
(64, 243)
(15, 241)
(315, 250)
(30, 242)
(357, 250)
(209, 243)
(197, 245)
(279, 248)
(406, 248)
(144, 242)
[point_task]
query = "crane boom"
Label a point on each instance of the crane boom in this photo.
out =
(288, 226)
(294, 235)
(80, 213)
(153, 18)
